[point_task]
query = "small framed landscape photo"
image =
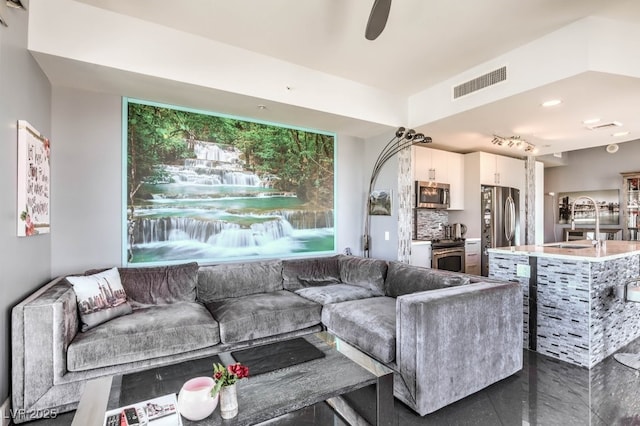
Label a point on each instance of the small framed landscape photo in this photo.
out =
(380, 202)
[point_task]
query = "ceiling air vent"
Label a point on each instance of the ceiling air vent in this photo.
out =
(605, 125)
(486, 80)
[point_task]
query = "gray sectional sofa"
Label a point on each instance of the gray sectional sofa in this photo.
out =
(445, 335)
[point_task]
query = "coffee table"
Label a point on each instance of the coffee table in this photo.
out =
(261, 398)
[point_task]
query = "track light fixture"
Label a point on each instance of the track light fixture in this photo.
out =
(514, 142)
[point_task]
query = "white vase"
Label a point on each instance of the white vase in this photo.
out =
(195, 401)
(228, 401)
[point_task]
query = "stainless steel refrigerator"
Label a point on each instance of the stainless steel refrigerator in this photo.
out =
(500, 220)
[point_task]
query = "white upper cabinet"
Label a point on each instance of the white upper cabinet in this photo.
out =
(441, 166)
(425, 165)
(501, 171)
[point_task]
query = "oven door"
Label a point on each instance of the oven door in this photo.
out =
(449, 259)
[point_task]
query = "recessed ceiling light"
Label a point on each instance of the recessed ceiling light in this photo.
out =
(591, 121)
(612, 148)
(552, 102)
(262, 107)
(620, 134)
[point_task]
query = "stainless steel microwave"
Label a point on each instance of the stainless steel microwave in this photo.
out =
(432, 195)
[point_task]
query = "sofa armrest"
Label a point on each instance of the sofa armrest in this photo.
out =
(42, 327)
(453, 342)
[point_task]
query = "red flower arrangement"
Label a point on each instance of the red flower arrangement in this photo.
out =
(226, 376)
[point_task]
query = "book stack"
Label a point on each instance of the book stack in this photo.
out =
(160, 411)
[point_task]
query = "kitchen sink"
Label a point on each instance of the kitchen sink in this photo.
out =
(569, 245)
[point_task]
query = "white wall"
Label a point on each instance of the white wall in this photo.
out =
(350, 194)
(87, 203)
(87, 197)
(25, 94)
(586, 169)
(387, 179)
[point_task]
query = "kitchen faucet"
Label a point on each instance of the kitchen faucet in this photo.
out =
(597, 243)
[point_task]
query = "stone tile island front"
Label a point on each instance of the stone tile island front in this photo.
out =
(571, 311)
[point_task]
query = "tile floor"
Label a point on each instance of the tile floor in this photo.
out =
(546, 392)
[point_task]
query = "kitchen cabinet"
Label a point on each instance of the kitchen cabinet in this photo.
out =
(472, 256)
(630, 205)
(421, 253)
(501, 171)
(441, 166)
(431, 165)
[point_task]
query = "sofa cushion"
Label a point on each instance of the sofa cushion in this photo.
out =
(159, 285)
(363, 272)
(218, 282)
(300, 273)
(150, 332)
(406, 279)
(261, 315)
(335, 293)
(369, 324)
(318, 281)
(100, 297)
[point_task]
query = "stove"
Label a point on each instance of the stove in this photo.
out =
(446, 243)
(448, 254)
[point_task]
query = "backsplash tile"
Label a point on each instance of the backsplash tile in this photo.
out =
(426, 223)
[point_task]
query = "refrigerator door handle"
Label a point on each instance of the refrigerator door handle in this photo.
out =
(509, 218)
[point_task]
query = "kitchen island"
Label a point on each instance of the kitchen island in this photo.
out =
(571, 311)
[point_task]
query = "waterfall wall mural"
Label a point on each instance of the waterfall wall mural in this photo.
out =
(207, 187)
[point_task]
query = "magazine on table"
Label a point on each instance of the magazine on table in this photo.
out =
(160, 411)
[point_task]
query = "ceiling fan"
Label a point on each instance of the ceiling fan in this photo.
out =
(377, 19)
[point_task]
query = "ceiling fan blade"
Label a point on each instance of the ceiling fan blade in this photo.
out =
(377, 19)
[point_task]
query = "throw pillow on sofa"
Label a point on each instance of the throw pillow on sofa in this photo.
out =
(100, 297)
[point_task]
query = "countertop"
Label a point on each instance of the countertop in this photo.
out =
(613, 249)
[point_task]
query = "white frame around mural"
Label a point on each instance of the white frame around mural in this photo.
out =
(34, 181)
(130, 227)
